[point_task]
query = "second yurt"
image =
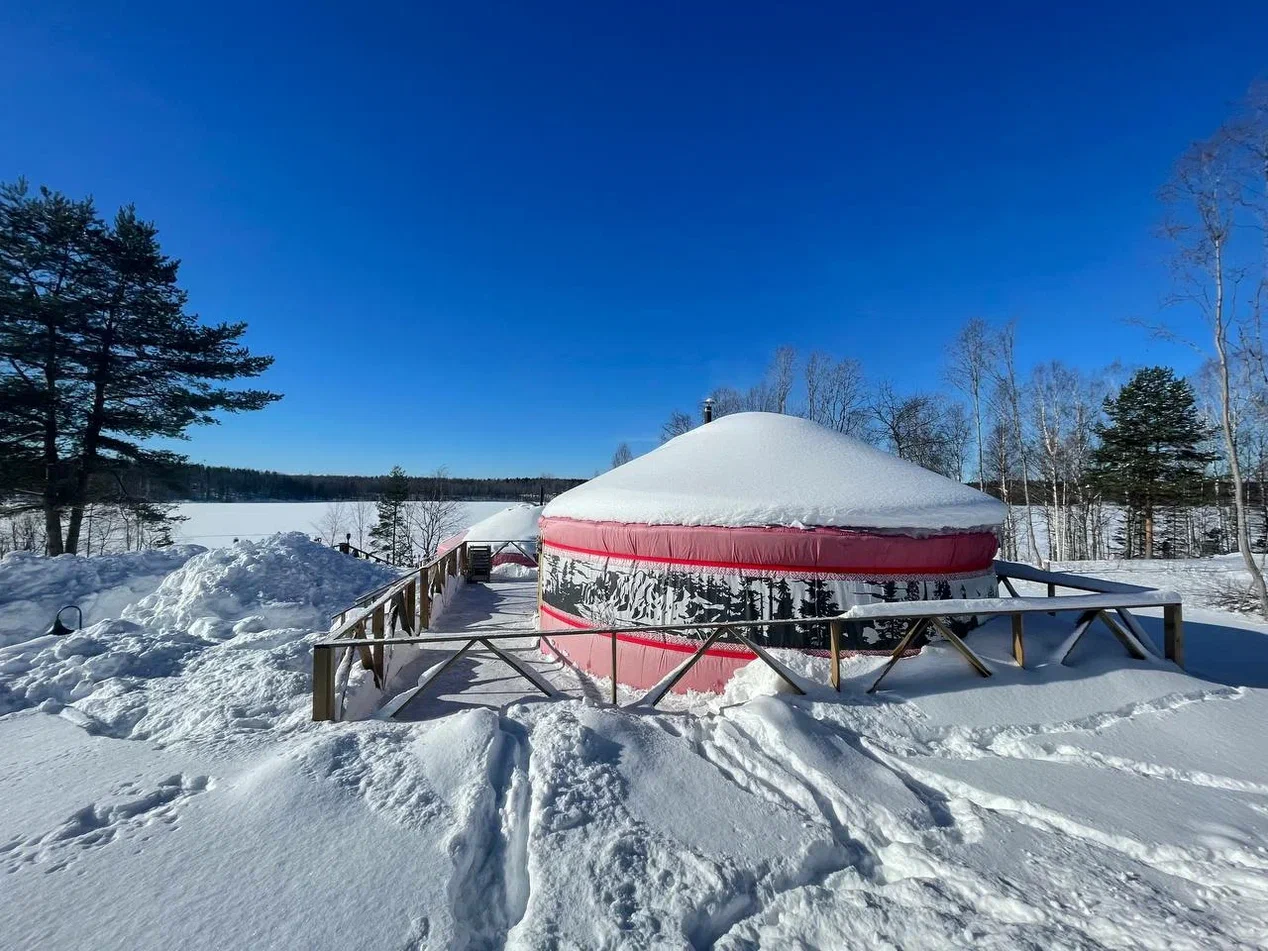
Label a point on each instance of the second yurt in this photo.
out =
(511, 533)
(754, 516)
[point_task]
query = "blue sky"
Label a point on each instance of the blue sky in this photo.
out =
(504, 237)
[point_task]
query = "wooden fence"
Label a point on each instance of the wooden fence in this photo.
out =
(406, 605)
(366, 629)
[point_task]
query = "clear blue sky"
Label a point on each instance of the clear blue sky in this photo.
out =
(504, 237)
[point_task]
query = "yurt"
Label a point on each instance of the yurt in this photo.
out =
(754, 516)
(511, 533)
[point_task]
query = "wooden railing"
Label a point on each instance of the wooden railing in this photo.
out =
(366, 629)
(406, 605)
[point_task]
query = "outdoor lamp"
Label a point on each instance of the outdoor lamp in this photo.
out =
(58, 629)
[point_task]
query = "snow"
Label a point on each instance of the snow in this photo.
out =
(515, 524)
(164, 787)
(33, 587)
(769, 469)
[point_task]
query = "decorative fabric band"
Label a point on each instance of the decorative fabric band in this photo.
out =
(800, 552)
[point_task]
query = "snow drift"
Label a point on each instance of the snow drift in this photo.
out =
(33, 587)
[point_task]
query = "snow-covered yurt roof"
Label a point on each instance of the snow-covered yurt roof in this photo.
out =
(769, 469)
(514, 524)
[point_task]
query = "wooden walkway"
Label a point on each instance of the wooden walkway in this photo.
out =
(478, 678)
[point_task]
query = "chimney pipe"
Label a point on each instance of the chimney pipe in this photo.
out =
(708, 410)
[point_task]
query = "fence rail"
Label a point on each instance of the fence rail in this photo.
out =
(406, 605)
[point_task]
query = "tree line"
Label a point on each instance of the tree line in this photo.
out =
(1081, 453)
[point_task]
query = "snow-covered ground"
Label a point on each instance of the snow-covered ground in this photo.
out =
(163, 787)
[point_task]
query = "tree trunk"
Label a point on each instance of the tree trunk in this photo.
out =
(1230, 440)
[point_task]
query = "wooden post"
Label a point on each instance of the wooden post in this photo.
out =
(424, 601)
(1052, 590)
(834, 644)
(1173, 633)
(410, 614)
(376, 630)
(1019, 649)
(614, 668)
(323, 683)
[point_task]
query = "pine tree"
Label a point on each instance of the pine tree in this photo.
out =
(98, 356)
(391, 533)
(1149, 455)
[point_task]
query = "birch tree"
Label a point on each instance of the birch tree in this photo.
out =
(1202, 199)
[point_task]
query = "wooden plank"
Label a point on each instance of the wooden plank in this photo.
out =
(1124, 637)
(323, 683)
(1173, 634)
(834, 645)
(1009, 585)
(376, 629)
(967, 652)
(1080, 628)
(917, 626)
(1019, 647)
(424, 601)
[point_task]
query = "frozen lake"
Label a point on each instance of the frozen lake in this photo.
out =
(217, 524)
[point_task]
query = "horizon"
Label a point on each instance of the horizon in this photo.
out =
(595, 217)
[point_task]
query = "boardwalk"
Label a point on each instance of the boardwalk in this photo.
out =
(478, 679)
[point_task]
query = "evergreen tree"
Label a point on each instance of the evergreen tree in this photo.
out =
(98, 356)
(391, 533)
(1149, 456)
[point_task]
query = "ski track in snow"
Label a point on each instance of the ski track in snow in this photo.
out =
(820, 821)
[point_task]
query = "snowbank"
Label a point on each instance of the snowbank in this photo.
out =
(33, 587)
(222, 646)
(769, 469)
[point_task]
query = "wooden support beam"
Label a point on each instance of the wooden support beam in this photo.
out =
(376, 629)
(835, 628)
(399, 703)
(424, 601)
(1173, 633)
(1019, 647)
(1124, 637)
(522, 669)
(767, 659)
(967, 652)
(917, 626)
(1080, 628)
(614, 668)
(411, 614)
(657, 693)
(1008, 583)
(323, 683)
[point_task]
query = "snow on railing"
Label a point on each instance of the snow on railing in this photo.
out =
(367, 630)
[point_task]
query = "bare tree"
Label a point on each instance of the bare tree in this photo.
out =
(433, 517)
(622, 455)
(919, 428)
(1009, 390)
(727, 400)
(968, 369)
(677, 424)
(780, 376)
(1202, 198)
(332, 524)
(834, 394)
(361, 518)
